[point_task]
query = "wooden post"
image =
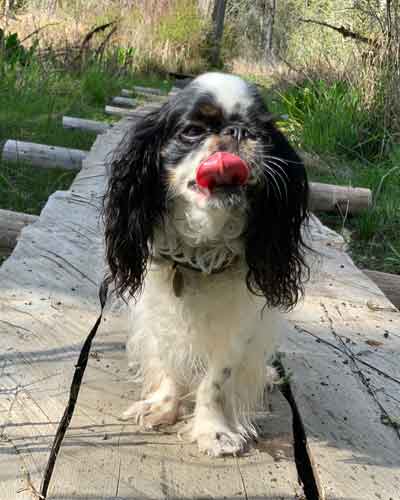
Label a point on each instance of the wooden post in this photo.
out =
(41, 155)
(11, 224)
(87, 125)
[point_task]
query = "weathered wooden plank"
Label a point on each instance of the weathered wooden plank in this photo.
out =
(83, 124)
(11, 224)
(41, 155)
(347, 337)
(48, 302)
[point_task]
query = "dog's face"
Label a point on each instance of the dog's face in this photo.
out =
(218, 113)
(214, 147)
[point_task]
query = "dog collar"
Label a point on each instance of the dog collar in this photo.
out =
(177, 278)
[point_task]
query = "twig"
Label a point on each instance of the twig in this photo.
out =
(38, 31)
(343, 31)
(73, 395)
(90, 35)
(359, 372)
(337, 348)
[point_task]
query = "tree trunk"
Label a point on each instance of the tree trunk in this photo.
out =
(267, 20)
(214, 10)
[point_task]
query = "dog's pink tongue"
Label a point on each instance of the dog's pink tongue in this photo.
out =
(222, 169)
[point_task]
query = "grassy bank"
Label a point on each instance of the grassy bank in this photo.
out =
(332, 121)
(33, 99)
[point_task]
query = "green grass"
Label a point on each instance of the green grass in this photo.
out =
(332, 121)
(33, 100)
(373, 236)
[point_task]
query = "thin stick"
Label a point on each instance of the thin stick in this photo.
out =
(73, 394)
(337, 348)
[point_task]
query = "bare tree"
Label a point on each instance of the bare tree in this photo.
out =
(214, 11)
(267, 9)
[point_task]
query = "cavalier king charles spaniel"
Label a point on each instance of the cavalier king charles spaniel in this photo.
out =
(203, 228)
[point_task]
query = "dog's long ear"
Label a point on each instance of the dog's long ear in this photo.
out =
(274, 243)
(134, 202)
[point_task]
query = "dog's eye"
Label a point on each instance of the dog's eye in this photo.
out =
(193, 132)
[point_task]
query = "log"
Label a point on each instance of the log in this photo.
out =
(116, 111)
(127, 93)
(124, 101)
(11, 224)
(388, 283)
(87, 125)
(331, 198)
(41, 155)
(144, 92)
(147, 90)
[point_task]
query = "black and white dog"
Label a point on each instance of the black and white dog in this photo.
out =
(203, 217)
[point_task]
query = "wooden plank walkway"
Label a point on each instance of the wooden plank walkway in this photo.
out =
(48, 302)
(344, 353)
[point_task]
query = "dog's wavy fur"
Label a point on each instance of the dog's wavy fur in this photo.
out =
(214, 339)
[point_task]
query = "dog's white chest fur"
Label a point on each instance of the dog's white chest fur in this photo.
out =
(212, 343)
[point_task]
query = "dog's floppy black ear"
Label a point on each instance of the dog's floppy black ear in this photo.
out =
(274, 243)
(134, 202)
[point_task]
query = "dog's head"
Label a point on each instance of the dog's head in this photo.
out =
(213, 149)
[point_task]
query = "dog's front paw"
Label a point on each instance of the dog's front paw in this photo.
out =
(221, 443)
(150, 414)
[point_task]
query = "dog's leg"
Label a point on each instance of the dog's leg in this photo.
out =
(211, 428)
(160, 407)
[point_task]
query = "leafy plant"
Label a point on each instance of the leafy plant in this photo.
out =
(13, 51)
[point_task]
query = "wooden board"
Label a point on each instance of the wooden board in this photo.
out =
(48, 303)
(388, 283)
(344, 404)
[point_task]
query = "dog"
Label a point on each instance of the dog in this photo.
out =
(203, 229)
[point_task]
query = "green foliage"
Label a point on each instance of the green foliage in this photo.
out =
(180, 35)
(13, 52)
(374, 235)
(97, 85)
(331, 118)
(181, 25)
(33, 99)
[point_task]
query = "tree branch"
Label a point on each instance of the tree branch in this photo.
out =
(343, 31)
